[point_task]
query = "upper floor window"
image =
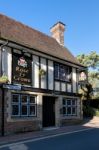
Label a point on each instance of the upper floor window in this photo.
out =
(23, 105)
(62, 72)
(56, 71)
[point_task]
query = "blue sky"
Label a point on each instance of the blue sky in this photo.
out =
(80, 16)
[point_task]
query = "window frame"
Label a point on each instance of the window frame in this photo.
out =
(27, 104)
(62, 69)
(66, 106)
(58, 71)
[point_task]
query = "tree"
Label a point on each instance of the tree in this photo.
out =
(86, 91)
(91, 60)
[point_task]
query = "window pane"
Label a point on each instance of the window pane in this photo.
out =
(68, 110)
(64, 110)
(56, 71)
(24, 99)
(73, 110)
(68, 73)
(24, 110)
(15, 110)
(64, 101)
(15, 98)
(32, 110)
(32, 99)
(68, 102)
(62, 73)
(74, 102)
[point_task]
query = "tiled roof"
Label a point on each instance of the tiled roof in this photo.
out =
(22, 34)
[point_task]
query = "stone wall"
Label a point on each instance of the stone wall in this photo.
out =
(18, 124)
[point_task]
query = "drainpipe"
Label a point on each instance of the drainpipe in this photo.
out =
(3, 104)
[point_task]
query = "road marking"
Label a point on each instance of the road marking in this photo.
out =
(18, 147)
(42, 138)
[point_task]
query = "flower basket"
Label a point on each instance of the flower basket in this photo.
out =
(4, 79)
(42, 72)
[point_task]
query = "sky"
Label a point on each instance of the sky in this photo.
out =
(81, 18)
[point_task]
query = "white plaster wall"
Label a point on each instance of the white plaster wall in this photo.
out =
(35, 71)
(63, 87)
(7, 63)
(57, 86)
(68, 87)
(43, 78)
(74, 80)
(50, 75)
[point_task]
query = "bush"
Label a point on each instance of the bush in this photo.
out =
(88, 111)
(96, 112)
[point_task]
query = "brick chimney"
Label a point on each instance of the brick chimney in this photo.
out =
(57, 31)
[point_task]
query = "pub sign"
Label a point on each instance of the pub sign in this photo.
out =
(82, 76)
(21, 69)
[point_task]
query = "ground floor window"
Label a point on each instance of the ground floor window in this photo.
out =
(23, 105)
(69, 107)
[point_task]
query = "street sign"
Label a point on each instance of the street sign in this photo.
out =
(12, 87)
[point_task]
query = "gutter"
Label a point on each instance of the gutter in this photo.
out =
(3, 93)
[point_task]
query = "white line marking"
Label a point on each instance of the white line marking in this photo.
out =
(18, 147)
(42, 138)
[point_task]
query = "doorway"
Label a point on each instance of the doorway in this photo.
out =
(48, 111)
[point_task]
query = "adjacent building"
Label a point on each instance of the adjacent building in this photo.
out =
(43, 78)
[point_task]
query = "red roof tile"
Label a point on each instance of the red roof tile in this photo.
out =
(22, 34)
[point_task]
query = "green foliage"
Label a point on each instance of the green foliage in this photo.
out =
(97, 112)
(86, 91)
(91, 60)
(42, 72)
(90, 111)
(4, 79)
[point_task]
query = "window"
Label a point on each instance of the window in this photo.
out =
(23, 105)
(56, 71)
(62, 72)
(69, 107)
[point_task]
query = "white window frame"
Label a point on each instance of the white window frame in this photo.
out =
(28, 104)
(23, 104)
(33, 104)
(66, 106)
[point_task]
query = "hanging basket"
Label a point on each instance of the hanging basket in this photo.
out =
(42, 72)
(4, 79)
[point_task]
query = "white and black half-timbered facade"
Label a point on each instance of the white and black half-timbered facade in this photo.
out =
(43, 78)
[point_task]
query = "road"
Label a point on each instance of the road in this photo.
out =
(82, 140)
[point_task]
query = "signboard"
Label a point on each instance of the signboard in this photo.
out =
(82, 76)
(21, 69)
(12, 87)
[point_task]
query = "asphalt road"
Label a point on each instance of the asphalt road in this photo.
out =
(83, 140)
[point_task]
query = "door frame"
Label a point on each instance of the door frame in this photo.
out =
(54, 101)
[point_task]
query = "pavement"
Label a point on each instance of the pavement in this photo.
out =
(87, 123)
